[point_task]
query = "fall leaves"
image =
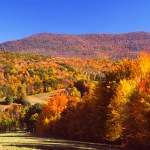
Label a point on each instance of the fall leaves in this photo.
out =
(115, 109)
(33, 74)
(130, 105)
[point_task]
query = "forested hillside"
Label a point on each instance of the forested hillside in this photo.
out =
(101, 101)
(31, 74)
(104, 46)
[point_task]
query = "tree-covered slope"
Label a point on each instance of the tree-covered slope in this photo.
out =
(114, 46)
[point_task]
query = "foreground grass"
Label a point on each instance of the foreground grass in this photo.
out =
(24, 141)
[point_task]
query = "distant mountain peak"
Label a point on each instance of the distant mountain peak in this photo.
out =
(113, 46)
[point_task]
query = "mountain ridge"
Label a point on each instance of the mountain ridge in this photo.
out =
(103, 46)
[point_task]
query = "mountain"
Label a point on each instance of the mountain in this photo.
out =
(113, 46)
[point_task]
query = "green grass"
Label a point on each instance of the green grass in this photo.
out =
(25, 141)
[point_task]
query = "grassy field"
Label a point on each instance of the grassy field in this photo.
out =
(25, 141)
(42, 97)
(37, 98)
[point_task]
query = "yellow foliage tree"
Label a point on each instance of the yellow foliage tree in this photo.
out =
(118, 110)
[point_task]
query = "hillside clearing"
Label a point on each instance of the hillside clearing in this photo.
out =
(37, 98)
(24, 141)
(42, 97)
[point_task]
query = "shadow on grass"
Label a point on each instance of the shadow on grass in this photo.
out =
(45, 147)
(1, 135)
(46, 142)
(65, 145)
(83, 144)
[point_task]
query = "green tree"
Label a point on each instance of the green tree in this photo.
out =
(32, 117)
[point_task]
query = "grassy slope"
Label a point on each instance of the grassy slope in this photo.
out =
(24, 141)
(37, 98)
(42, 97)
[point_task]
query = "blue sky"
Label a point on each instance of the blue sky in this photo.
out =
(21, 18)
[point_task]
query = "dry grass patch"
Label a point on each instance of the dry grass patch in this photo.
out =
(42, 97)
(25, 141)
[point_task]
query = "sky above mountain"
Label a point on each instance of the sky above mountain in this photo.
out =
(21, 18)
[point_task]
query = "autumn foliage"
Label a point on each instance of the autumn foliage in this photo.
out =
(102, 46)
(114, 111)
(112, 106)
